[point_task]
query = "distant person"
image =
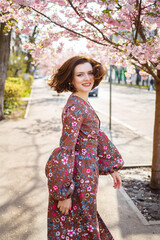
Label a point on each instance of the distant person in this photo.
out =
(84, 152)
(151, 85)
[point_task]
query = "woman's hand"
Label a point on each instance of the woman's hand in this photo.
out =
(117, 180)
(64, 206)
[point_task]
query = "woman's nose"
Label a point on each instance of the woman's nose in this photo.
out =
(87, 77)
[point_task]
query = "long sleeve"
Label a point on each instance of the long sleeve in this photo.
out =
(109, 159)
(60, 166)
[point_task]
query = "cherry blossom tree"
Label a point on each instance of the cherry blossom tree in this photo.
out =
(4, 58)
(126, 31)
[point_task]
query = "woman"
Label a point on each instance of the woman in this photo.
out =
(84, 153)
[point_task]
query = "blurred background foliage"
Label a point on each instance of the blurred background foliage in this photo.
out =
(18, 83)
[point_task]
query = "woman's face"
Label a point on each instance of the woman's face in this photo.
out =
(83, 79)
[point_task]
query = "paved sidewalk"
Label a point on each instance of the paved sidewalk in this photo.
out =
(25, 146)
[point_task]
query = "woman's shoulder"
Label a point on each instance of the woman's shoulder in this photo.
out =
(76, 101)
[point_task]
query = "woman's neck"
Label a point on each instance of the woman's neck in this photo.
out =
(82, 95)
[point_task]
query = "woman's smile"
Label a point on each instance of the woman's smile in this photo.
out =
(86, 84)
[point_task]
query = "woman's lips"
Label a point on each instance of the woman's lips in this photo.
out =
(86, 84)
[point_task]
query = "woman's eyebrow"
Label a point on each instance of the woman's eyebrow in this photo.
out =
(84, 72)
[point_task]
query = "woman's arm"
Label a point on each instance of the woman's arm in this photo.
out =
(59, 168)
(109, 158)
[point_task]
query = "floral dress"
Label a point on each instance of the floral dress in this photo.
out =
(73, 169)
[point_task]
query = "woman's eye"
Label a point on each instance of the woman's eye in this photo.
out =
(79, 75)
(91, 73)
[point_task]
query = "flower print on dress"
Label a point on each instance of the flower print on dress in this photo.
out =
(55, 187)
(73, 170)
(74, 207)
(88, 170)
(84, 151)
(71, 232)
(73, 108)
(89, 188)
(65, 160)
(90, 228)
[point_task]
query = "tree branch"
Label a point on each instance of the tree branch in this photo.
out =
(91, 24)
(66, 28)
(137, 21)
(145, 67)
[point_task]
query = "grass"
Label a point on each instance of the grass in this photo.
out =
(18, 112)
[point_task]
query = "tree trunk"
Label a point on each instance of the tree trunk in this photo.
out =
(4, 58)
(29, 63)
(155, 178)
(32, 39)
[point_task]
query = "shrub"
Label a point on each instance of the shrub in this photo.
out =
(27, 86)
(15, 89)
(12, 96)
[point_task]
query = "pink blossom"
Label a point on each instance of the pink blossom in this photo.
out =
(158, 67)
(122, 50)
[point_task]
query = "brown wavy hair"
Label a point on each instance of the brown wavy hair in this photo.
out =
(61, 81)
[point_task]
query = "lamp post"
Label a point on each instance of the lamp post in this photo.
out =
(110, 99)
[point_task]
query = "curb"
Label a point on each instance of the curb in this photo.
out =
(29, 103)
(136, 210)
(125, 125)
(136, 166)
(130, 86)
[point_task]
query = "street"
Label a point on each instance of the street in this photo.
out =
(132, 121)
(26, 144)
(131, 107)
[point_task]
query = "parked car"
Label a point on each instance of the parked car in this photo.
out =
(94, 92)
